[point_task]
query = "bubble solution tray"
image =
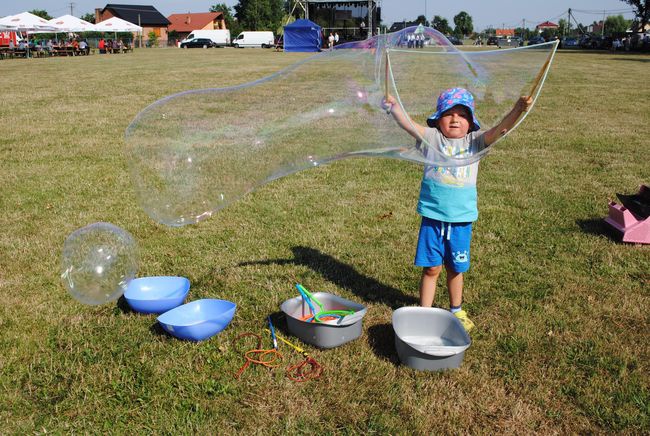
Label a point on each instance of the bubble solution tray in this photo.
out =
(429, 339)
(327, 334)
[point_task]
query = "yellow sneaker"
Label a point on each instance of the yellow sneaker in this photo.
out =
(464, 320)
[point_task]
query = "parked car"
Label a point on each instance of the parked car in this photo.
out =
(454, 40)
(220, 37)
(198, 43)
(569, 43)
(263, 39)
(596, 42)
(492, 40)
(511, 41)
(536, 40)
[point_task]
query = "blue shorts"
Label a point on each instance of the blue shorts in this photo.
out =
(446, 243)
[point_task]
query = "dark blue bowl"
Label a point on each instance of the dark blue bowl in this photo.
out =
(199, 319)
(156, 294)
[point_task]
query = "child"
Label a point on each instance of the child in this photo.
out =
(448, 194)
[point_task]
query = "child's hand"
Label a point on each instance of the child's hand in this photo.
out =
(524, 103)
(388, 102)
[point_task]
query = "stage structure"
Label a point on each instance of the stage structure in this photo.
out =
(352, 20)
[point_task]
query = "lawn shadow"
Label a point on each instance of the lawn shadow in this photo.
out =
(344, 276)
(156, 330)
(123, 305)
(598, 227)
(381, 339)
(643, 60)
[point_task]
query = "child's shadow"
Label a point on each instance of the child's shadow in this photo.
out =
(344, 276)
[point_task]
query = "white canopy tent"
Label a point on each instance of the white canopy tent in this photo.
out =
(68, 23)
(116, 25)
(26, 22)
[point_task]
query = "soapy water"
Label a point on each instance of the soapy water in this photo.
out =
(193, 153)
(98, 262)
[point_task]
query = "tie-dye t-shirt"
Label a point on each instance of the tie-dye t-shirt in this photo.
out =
(448, 194)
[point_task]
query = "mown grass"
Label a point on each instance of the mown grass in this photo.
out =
(560, 306)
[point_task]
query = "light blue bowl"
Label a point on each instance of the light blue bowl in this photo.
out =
(156, 294)
(199, 319)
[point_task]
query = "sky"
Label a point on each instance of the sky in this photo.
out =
(484, 13)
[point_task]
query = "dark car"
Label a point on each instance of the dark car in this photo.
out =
(198, 43)
(569, 43)
(492, 40)
(511, 41)
(454, 40)
(536, 40)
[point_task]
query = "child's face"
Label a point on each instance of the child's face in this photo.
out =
(455, 122)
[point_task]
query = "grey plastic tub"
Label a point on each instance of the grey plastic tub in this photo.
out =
(328, 334)
(429, 339)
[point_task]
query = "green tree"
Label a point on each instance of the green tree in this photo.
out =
(153, 39)
(642, 12)
(421, 19)
(286, 19)
(441, 25)
(227, 14)
(523, 33)
(89, 17)
(259, 14)
(463, 22)
(564, 27)
(41, 13)
(616, 24)
(231, 23)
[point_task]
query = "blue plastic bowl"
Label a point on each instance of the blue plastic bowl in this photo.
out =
(199, 319)
(156, 294)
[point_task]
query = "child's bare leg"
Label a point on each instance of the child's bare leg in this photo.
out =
(455, 286)
(428, 285)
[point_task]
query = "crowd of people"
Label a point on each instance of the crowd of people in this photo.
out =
(73, 47)
(110, 46)
(332, 40)
(415, 40)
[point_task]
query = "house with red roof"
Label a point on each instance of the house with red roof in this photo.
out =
(505, 32)
(184, 24)
(547, 25)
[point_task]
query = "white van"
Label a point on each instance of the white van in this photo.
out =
(254, 39)
(220, 37)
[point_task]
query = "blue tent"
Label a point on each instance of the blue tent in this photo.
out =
(302, 35)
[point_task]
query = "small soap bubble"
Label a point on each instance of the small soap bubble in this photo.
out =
(98, 262)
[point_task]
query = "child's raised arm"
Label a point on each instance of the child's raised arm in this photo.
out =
(412, 128)
(522, 105)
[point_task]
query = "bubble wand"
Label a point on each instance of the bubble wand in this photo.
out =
(533, 89)
(541, 74)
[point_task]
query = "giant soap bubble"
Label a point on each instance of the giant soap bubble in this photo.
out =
(193, 153)
(98, 262)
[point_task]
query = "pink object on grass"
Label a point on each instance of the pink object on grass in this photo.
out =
(634, 229)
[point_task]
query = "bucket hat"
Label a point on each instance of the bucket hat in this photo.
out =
(450, 98)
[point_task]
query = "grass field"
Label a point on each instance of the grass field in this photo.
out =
(561, 344)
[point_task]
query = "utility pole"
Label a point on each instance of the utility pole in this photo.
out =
(370, 28)
(71, 6)
(523, 29)
(602, 29)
